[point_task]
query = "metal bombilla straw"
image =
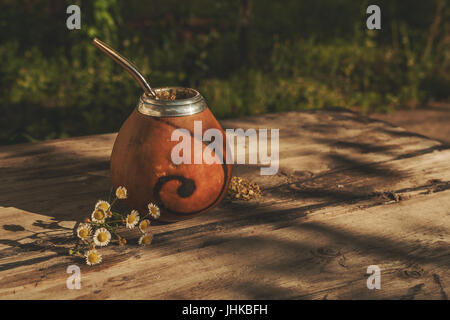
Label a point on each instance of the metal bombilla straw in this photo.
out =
(127, 65)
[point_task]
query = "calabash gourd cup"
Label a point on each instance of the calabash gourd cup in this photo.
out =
(141, 158)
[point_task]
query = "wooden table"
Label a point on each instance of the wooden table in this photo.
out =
(351, 192)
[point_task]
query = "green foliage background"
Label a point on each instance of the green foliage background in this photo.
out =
(246, 57)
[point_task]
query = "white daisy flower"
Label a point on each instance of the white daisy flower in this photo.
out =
(153, 210)
(102, 237)
(144, 225)
(132, 219)
(102, 205)
(121, 193)
(93, 257)
(145, 239)
(98, 215)
(84, 231)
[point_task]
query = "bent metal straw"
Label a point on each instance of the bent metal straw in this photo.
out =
(127, 65)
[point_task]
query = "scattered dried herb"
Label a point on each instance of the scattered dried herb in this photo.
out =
(243, 189)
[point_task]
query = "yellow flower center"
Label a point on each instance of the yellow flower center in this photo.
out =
(102, 237)
(131, 218)
(92, 257)
(146, 240)
(144, 225)
(153, 211)
(83, 233)
(121, 194)
(103, 206)
(99, 215)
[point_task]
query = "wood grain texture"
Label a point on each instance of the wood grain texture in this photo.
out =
(350, 192)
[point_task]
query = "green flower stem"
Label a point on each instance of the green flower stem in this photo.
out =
(112, 221)
(112, 203)
(118, 214)
(111, 229)
(110, 193)
(80, 246)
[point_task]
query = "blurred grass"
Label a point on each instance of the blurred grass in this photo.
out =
(245, 58)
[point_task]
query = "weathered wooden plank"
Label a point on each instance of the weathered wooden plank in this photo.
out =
(318, 256)
(324, 218)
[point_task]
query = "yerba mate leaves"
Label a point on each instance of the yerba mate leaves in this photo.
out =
(243, 189)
